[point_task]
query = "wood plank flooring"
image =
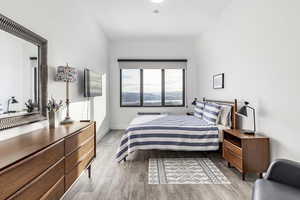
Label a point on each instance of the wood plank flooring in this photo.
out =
(129, 181)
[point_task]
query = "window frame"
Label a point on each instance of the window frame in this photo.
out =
(141, 103)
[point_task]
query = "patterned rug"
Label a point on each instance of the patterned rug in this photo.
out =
(184, 171)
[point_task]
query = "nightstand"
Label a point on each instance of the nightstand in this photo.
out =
(247, 153)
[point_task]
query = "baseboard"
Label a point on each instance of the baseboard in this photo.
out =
(118, 126)
(101, 134)
(117, 129)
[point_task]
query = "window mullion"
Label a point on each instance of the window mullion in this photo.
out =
(121, 86)
(141, 87)
(163, 87)
(183, 88)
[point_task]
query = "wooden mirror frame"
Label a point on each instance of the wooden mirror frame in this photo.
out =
(18, 30)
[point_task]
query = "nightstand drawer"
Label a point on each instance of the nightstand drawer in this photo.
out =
(232, 147)
(233, 159)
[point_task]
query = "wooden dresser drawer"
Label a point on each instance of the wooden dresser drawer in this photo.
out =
(56, 192)
(20, 174)
(233, 159)
(77, 139)
(42, 184)
(235, 149)
(76, 171)
(74, 158)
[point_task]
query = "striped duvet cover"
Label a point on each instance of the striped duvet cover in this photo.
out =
(168, 132)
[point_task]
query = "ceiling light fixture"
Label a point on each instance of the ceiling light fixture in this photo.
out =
(156, 1)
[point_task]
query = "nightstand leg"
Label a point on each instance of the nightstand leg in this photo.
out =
(228, 164)
(243, 176)
(90, 171)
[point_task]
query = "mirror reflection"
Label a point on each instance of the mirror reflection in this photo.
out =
(19, 76)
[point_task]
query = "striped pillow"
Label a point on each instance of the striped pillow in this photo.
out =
(211, 112)
(198, 110)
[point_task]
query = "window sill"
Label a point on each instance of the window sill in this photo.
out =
(179, 106)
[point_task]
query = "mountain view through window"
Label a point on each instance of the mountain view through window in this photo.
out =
(152, 87)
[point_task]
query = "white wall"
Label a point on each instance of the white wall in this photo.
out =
(147, 49)
(75, 37)
(256, 44)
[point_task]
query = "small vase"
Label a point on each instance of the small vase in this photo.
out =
(53, 119)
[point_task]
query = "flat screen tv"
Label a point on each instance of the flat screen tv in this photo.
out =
(92, 83)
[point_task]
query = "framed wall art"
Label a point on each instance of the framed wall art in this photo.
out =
(218, 81)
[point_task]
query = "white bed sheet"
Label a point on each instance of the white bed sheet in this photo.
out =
(221, 128)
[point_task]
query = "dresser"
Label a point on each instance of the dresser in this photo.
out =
(44, 164)
(247, 153)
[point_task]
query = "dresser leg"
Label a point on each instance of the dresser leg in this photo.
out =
(243, 176)
(90, 171)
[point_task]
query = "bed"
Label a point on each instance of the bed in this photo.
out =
(173, 132)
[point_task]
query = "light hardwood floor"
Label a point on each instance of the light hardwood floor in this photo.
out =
(129, 181)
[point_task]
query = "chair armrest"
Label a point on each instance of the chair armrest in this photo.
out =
(285, 172)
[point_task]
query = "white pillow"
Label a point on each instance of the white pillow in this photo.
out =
(224, 116)
(229, 120)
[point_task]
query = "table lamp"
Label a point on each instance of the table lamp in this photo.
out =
(244, 113)
(11, 100)
(195, 102)
(68, 75)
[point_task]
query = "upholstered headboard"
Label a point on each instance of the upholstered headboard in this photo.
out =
(233, 104)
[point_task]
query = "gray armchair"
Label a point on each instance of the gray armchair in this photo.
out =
(281, 182)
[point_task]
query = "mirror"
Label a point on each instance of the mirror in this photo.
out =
(24, 75)
(19, 71)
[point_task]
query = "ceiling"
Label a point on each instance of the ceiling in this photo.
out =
(135, 18)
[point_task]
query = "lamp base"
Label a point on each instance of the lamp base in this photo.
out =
(67, 121)
(247, 132)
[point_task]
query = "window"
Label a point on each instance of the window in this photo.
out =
(155, 87)
(174, 82)
(131, 95)
(152, 87)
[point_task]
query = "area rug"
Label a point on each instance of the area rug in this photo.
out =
(184, 171)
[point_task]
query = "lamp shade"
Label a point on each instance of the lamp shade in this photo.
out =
(195, 101)
(66, 74)
(243, 111)
(33, 62)
(14, 100)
